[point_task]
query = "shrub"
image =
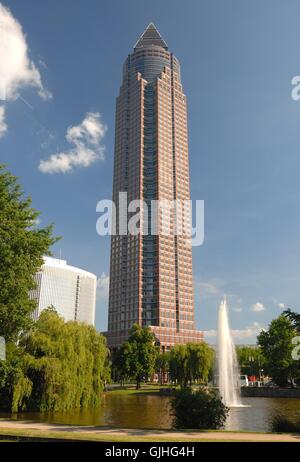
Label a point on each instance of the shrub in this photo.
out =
(199, 409)
(282, 424)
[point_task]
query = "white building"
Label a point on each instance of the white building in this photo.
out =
(71, 291)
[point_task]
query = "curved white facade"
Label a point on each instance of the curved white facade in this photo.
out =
(72, 291)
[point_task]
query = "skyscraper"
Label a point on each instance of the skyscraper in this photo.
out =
(151, 280)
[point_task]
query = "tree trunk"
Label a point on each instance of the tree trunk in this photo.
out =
(162, 377)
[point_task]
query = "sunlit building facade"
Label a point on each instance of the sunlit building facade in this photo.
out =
(151, 277)
(71, 291)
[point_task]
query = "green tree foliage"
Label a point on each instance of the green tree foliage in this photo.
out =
(276, 345)
(251, 360)
(201, 409)
(282, 424)
(191, 363)
(50, 364)
(121, 370)
(13, 386)
(62, 366)
(294, 318)
(178, 365)
(162, 365)
(22, 246)
(137, 356)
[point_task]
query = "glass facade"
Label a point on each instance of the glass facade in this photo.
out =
(151, 280)
(71, 291)
(149, 245)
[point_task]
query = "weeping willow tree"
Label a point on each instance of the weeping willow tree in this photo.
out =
(63, 366)
(191, 363)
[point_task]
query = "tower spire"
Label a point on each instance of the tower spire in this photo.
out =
(149, 37)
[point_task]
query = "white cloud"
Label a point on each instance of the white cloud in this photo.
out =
(281, 306)
(210, 333)
(17, 70)
(258, 307)
(239, 334)
(209, 288)
(103, 286)
(86, 148)
(237, 310)
(3, 126)
(215, 288)
(249, 331)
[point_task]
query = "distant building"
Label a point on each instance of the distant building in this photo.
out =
(71, 291)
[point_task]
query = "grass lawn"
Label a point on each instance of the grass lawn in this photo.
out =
(130, 389)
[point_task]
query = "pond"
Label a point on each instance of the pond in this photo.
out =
(150, 410)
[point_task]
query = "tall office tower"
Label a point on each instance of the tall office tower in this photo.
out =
(151, 280)
(71, 291)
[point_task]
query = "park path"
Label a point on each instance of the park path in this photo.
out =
(151, 435)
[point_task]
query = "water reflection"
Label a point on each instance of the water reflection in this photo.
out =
(144, 411)
(153, 411)
(258, 413)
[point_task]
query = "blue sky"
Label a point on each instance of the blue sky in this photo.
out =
(237, 59)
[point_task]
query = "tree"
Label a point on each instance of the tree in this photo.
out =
(276, 345)
(59, 366)
(121, 364)
(14, 388)
(162, 365)
(251, 360)
(191, 363)
(22, 247)
(202, 409)
(294, 318)
(178, 365)
(200, 360)
(139, 354)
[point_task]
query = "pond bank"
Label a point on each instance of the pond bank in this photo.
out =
(35, 430)
(270, 392)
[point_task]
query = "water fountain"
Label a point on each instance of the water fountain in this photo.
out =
(228, 368)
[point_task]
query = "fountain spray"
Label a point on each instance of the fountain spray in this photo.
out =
(228, 368)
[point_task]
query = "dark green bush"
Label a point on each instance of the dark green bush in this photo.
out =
(282, 424)
(199, 409)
